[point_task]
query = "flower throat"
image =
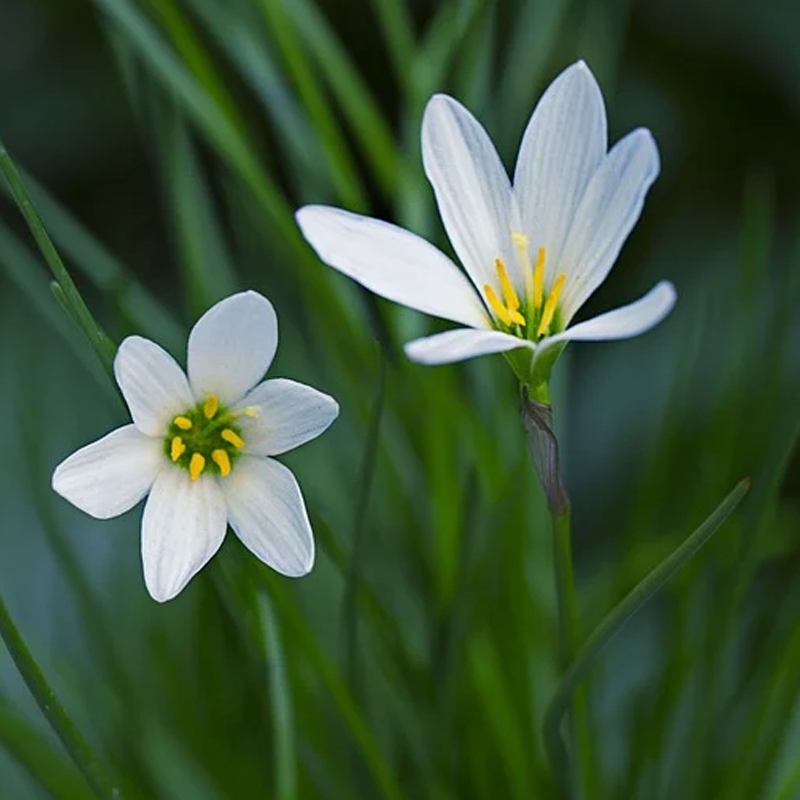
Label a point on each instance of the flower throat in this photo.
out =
(205, 438)
(539, 313)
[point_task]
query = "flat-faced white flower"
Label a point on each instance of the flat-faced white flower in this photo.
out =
(201, 446)
(533, 251)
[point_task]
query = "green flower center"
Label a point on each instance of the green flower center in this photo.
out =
(205, 438)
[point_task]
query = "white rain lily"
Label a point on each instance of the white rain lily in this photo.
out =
(201, 446)
(533, 251)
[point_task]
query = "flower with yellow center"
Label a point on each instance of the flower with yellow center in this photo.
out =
(200, 446)
(533, 251)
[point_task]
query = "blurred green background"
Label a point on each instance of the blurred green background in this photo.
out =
(173, 139)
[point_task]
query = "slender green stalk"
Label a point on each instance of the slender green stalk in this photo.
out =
(352, 590)
(99, 780)
(76, 306)
(569, 640)
(619, 615)
(280, 698)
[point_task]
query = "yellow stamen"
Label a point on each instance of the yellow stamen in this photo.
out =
(538, 279)
(501, 312)
(176, 448)
(184, 423)
(507, 288)
(220, 458)
(211, 406)
(251, 411)
(550, 305)
(232, 438)
(197, 464)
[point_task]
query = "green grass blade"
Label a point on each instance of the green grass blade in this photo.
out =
(248, 51)
(104, 270)
(37, 756)
(103, 346)
(620, 614)
(398, 32)
(25, 272)
(193, 53)
(97, 776)
(341, 166)
(384, 778)
(208, 266)
(280, 699)
(351, 92)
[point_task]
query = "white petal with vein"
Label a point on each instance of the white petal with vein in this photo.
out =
(231, 346)
(183, 526)
(288, 415)
(110, 476)
(153, 385)
(393, 263)
(564, 143)
(460, 344)
(623, 322)
(608, 211)
(472, 190)
(267, 512)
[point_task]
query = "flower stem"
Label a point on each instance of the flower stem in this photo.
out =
(614, 621)
(99, 780)
(569, 640)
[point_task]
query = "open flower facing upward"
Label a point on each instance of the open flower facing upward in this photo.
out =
(534, 252)
(201, 446)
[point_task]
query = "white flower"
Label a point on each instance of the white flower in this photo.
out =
(200, 447)
(534, 252)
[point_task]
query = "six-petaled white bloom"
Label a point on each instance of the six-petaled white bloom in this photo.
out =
(534, 252)
(201, 448)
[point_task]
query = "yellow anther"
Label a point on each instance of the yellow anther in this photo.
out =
(231, 437)
(251, 411)
(184, 423)
(501, 312)
(551, 304)
(220, 458)
(517, 318)
(197, 464)
(176, 448)
(538, 278)
(507, 288)
(211, 406)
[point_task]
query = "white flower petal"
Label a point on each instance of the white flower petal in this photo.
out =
(231, 346)
(564, 143)
(472, 190)
(154, 386)
(623, 322)
(267, 512)
(110, 476)
(183, 525)
(608, 211)
(392, 262)
(288, 414)
(460, 344)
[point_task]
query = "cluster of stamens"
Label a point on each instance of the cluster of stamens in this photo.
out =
(535, 317)
(205, 438)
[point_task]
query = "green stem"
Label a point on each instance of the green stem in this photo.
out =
(619, 615)
(74, 303)
(569, 639)
(285, 757)
(95, 773)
